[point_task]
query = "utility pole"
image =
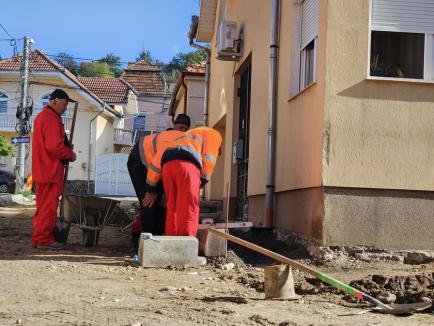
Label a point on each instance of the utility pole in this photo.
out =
(23, 115)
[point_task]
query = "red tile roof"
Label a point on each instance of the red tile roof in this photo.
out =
(146, 78)
(110, 90)
(37, 62)
(196, 68)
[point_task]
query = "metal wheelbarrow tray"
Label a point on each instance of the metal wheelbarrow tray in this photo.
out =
(90, 214)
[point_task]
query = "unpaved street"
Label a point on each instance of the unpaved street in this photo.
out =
(101, 286)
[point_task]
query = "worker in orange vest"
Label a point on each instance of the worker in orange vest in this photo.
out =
(185, 165)
(151, 219)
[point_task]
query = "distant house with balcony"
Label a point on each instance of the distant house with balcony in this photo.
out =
(96, 119)
(122, 97)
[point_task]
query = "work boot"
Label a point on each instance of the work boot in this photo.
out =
(53, 246)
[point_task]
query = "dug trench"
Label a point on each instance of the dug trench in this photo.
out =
(388, 288)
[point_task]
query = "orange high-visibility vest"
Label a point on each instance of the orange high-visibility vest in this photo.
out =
(147, 149)
(199, 145)
(150, 144)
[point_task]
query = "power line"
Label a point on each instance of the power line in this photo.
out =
(7, 33)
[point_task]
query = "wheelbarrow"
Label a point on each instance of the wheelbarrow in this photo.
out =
(90, 214)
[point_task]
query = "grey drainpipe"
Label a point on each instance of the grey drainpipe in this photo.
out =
(191, 35)
(272, 108)
(90, 148)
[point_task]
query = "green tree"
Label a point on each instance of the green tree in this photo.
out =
(95, 69)
(173, 69)
(114, 63)
(145, 55)
(68, 62)
(6, 148)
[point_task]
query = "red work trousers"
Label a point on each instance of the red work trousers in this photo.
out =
(181, 181)
(44, 220)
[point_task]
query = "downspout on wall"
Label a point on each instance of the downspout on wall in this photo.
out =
(272, 108)
(191, 35)
(90, 148)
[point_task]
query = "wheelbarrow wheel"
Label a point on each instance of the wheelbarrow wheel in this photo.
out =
(90, 237)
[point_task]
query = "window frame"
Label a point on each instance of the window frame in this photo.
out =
(428, 61)
(6, 100)
(298, 61)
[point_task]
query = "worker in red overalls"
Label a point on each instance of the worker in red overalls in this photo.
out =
(185, 165)
(50, 150)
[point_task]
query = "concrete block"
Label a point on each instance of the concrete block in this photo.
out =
(161, 251)
(211, 245)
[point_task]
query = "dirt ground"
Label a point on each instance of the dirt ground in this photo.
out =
(102, 286)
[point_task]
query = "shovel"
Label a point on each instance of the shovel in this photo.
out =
(61, 231)
(395, 309)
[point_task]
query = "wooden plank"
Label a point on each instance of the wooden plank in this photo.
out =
(230, 225)
(264, 251)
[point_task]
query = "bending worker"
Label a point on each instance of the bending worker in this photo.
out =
(142, 154)
(49, 153)
(185, 166)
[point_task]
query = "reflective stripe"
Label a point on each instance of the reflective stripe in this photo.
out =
(193, 152)
(142, 152)
(154, 168)
(194, 137)
(210, 157)
(205, 176)
(149, 182)
(154, 143)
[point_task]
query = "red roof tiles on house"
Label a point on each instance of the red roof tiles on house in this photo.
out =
(37, 62)
(146, 78)
(110, 90)
(199, 68)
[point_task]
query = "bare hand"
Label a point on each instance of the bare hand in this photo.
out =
(149, 199)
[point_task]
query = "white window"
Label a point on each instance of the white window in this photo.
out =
(304, 44)
(4, 100)
(402, 39)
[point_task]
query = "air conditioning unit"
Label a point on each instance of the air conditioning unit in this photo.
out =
(229, 44)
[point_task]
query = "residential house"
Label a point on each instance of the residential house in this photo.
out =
(354, 116)
(95, 124)
(122, 97)
(152, 97)
(188, 95)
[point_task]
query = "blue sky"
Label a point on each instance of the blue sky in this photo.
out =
(93, 28)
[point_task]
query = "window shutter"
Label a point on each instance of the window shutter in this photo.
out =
(415, 16)
(3, 103)
(309, 21)
(295, 51)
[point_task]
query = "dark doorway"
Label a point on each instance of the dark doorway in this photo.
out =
(242, 150)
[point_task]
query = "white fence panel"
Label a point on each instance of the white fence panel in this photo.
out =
(111, 177)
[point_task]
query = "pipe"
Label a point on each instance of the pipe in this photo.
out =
(185, 94)
(191, 35)
(272, 108)
(90, 147)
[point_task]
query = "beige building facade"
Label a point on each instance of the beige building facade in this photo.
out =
(355, 119)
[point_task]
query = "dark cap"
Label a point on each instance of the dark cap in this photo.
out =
(182, 119)
(60, 94)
